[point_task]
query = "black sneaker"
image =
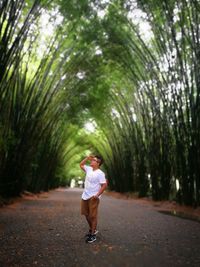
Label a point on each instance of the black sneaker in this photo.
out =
(89, 233)
(91, 239)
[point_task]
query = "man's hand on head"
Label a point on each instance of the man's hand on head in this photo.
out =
(90, 157)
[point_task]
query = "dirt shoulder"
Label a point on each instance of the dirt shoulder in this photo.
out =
(24, 196)
(165, 206)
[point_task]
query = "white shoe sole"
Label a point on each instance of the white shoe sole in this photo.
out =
(92, 241)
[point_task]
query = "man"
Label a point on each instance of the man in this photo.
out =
(95, 184)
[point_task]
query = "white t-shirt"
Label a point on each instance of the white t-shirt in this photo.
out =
(93, 181)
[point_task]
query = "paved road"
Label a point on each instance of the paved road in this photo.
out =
(49, 232)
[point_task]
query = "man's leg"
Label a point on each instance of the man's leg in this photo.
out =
(89, 221)
(85, 211)
(93, 224)
(93, 210)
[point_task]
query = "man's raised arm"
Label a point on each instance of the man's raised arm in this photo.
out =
(84, 161)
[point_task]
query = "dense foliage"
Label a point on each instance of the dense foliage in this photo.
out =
(129, 68)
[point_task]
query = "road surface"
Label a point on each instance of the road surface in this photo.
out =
(48, 231)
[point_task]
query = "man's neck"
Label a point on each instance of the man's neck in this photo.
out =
(94, 169)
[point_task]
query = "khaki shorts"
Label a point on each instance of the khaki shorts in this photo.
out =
(89, 207)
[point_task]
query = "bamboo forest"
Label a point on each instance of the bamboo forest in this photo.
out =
(116, 78)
